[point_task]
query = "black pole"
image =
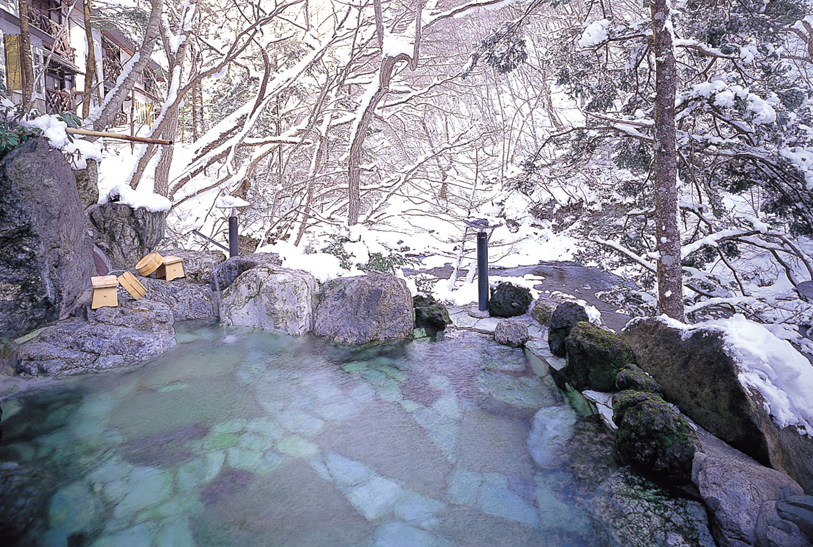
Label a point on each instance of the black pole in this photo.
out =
(482, 269)
(234, 249)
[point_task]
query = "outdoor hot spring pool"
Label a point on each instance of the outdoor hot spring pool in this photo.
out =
(243, 438)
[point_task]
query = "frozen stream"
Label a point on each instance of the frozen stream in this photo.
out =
(243, 438)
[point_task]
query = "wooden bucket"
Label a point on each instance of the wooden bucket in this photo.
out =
(132, 285)
(149, 264)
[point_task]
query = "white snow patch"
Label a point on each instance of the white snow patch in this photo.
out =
(594, 34)
(137, 199)
(227, 202)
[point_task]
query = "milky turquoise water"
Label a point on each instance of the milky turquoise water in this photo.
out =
(243, 438)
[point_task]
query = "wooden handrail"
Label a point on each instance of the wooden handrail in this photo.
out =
(88, 132)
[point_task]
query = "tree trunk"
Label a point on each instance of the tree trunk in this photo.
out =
(25, 56)
(161, 186)
(198, 128)
(90, 66)
(670, 273)
(100, 117)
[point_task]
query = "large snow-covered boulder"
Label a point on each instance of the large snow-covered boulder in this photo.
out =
(124, 234)
(737, 380)
(370, 308)
(107, 338)
(46, 256)
(271, 298)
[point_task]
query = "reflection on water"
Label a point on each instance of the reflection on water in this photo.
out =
(243, 438)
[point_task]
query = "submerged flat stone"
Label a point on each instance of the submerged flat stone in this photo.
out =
(552, 429)
(502, 502)
(419, 510)
(464, 488)
(137, 536)
(375, 498)
(398, 534)
(297, 447)
(75, 508)
(149, 486)
(300, 422)
(346, 471)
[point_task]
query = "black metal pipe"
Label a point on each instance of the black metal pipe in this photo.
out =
(482, 269)
(234, 248)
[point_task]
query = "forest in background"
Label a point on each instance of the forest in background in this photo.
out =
(541, 115)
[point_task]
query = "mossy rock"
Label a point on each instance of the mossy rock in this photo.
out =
(430, 314)
(594, 357)
(634, 378)
(542, 311)
(653, 437)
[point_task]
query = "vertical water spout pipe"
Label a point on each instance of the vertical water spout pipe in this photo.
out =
(234, 246)
(481, 225)
(482, 269)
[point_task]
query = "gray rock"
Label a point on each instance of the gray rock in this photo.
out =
(271, 298)
(511, 333)
(87, 183)
(509, 300)
(594, 357)
(654, 438)
(22, 495)
(799, 510)
(371, 308)
(774, 531)
(637, 513)
(125, 234)
(699, 374)
(197, 265)
(226, 272)
(186, 300)
(46, 259)
(108, 338)
(564, 318)
(8, 356)
(735, 488)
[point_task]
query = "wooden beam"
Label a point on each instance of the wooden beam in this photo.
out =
(90, 133)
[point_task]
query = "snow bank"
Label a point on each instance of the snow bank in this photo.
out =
(768, 365)
(77, 150)
(322, 266)
(137, 199)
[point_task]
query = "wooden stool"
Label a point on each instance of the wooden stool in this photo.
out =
(149, 264)
(171, 268)
(132, 285)
(104, 291)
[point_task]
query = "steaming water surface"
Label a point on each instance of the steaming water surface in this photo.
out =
(243, 438)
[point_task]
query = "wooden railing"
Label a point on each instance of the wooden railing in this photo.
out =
(62, 44)
(57, 101)
(111, 68)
